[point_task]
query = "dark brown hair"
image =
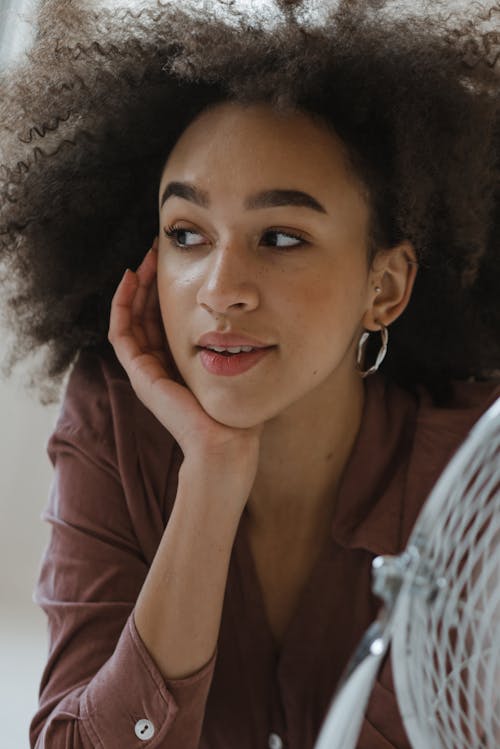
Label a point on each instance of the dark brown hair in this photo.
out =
(88, 120)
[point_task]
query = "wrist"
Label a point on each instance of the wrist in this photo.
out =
(211, 496)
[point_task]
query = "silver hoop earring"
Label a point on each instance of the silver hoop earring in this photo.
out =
(380, 356)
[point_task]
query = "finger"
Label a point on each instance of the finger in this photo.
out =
(145, 273)
(169, 401)
(153, 323)
(155, 330)
(151, 311)
(142, 367)
(122, 325)
(121, 304)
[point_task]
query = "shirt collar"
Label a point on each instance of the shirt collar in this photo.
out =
(368, 510)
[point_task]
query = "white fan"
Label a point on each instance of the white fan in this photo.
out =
(441, 611)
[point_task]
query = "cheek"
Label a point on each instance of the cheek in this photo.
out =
(328, 301)
(323, 320)
(177, 284)
(173, 300)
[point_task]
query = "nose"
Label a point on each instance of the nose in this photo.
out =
(229, 282)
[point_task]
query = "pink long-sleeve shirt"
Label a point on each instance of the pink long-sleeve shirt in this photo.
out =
(114, 485)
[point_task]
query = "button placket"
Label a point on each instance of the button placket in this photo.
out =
(144, 729)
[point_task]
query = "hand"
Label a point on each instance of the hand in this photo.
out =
(137, 335)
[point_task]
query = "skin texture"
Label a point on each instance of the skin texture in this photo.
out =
(258, 443)
(311, 300)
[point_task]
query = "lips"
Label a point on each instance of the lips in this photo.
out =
(226, 340)
(235, 364)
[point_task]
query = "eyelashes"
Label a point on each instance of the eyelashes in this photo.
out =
(174, 232)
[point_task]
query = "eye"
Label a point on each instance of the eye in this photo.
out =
(174, 233)
(286, 239)
(282, 239)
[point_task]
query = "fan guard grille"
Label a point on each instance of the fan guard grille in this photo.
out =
(449, 631)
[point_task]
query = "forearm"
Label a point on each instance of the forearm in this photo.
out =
(103, 679)
(179, 608)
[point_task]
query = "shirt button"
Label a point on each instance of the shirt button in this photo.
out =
(144, 729)
(274, 741)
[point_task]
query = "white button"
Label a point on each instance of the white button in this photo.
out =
(144, 729)
(274, 741)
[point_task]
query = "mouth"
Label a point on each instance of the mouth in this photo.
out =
(229, 363)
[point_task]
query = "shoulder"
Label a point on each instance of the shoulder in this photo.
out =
(99, 406)
(404, 443)
(438, 433)
(439, 430)
(103, 423)
(94, 388)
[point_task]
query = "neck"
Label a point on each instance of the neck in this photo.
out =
(302, 456)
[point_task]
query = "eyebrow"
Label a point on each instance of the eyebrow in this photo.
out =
(263, 199)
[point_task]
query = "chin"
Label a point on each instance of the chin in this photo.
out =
(232, 410)
(237, 418)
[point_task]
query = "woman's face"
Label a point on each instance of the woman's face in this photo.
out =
(270, 242)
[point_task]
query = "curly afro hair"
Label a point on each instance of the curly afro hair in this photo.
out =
(90, 114)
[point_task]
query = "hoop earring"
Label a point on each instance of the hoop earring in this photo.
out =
(380, 356)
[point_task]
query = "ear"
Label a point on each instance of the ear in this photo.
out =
(393, 272)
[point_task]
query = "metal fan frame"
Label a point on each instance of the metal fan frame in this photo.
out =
(397, 580)
(426, 734)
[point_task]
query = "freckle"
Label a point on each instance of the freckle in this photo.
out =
(315, 372)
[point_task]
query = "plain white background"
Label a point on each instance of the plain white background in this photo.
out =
(24, 485)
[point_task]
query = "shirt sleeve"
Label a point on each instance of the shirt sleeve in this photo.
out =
(100, 686)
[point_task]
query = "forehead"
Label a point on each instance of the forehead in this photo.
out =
(255, 144)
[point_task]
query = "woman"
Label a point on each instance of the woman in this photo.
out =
(228, 460)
